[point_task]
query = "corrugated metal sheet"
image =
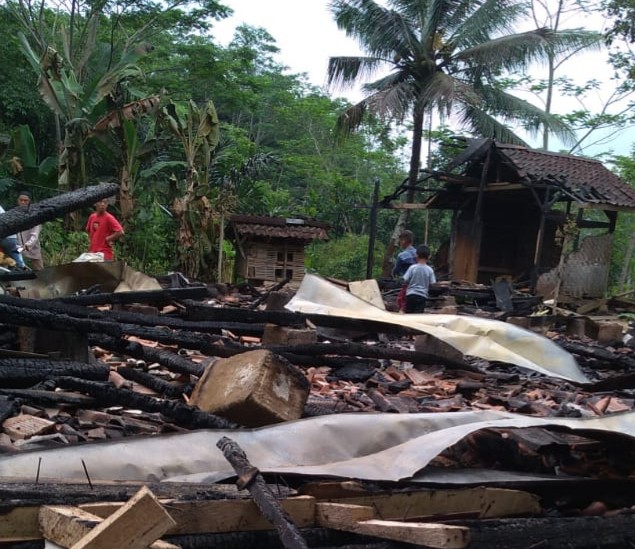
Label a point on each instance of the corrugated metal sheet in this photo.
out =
(586, 179)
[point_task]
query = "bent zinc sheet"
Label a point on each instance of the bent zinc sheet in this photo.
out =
(479, 337)
(365, 446)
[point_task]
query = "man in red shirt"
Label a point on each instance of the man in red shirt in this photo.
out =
(103, 229)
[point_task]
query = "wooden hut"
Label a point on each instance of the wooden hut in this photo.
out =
(510, 204)
(271, 249)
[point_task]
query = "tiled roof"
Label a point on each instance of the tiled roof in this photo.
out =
(585, 179)
(279, 227)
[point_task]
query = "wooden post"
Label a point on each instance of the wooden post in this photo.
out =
(249, 477)
(373, 231)
(221, 241)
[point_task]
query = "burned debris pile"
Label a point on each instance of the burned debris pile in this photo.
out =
(401, 437)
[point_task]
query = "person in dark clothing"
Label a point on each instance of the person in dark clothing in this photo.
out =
(408, 255)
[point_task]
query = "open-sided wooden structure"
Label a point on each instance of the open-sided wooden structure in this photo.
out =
(271, 249)
(509, 203)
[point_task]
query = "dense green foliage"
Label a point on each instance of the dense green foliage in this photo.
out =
(124, 82)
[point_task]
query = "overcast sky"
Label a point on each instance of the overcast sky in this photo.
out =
(307, 36)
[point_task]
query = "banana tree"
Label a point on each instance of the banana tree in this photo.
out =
(197, 129)
(75, 101)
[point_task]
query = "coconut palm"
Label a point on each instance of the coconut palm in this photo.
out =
(445, 56)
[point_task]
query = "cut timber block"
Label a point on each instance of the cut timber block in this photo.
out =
(431, 345)
(609, 332)
(282, 335)
(135, 525)
(253, 389)
(358, 519)
(26, 426)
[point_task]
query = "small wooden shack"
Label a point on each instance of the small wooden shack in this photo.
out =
(510, 204)
(271, 249)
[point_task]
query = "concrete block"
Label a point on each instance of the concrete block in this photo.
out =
(283, 335)
(253, 389)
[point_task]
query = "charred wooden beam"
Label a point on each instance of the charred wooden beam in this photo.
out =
(49, 398)
(366, 351)
(146, 296)
(9, 407)
(599, 353)
(571, 532)
(250, 478)
(168, 359)
(21, 314)
(154, 382)
(23, 493)
(321, 538)
(20, 219)
(175, 411)
(200, 311)
(26, 372)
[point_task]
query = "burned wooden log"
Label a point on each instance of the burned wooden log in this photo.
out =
(49, 398)
(318, 538)
(168, 359)
(154, 382)
(26, 372)
(145, 296)
(200, 311)
(9, 407)
(20, 219)
(250, 478)
(367, 351)
(606, 356)
(175, 411)
(20, 314)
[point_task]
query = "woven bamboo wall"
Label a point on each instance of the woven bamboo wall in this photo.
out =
(271, 261)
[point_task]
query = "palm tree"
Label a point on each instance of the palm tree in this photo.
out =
(444, 56)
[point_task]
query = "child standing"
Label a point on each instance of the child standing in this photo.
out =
(419, 277)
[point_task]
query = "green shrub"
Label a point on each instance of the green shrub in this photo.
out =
(344, 258)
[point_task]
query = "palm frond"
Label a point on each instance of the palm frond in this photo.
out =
(342, 72)
(351, 118)
(518, 51)
(532, 118)
(383, 32)
(393, 102)
(474, 23)
(483, 124)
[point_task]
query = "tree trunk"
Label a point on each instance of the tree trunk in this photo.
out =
(413, 176)
(18, 219)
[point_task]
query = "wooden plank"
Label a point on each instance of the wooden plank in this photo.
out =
(483, 502)
(442, 536)
(66, 526)
(201, 517)
(135, 525)
(341, 513)
(359, 519)
(19, 524)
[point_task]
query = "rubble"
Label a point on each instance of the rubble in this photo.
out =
(534, 456)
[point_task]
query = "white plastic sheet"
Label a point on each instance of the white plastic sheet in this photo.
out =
(364, 446)
(480, 337)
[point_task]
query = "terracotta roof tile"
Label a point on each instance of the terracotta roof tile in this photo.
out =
(279, 227)
(585, 179)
